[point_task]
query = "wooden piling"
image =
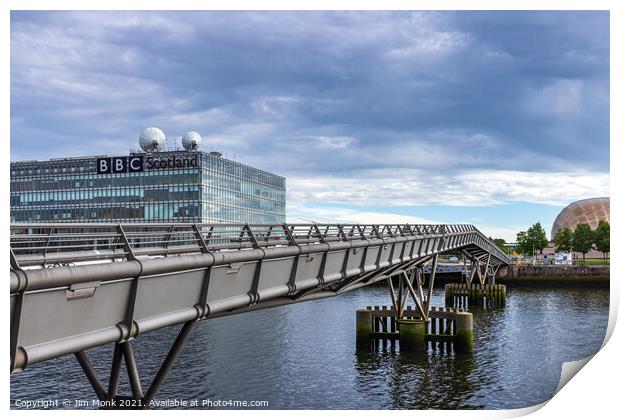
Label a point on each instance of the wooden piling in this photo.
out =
(441, 324)
(464, 337)
(459, 295)
(363, 327)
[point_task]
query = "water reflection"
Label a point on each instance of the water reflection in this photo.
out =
(437, 379)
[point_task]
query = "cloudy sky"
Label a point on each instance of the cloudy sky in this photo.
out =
(493, 118)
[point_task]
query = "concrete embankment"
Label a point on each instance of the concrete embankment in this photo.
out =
(556, 275)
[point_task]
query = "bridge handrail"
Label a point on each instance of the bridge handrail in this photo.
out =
(47, 243)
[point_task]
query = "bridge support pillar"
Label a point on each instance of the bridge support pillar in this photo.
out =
(448, 329)
(363, 327)
(412, 334)
(464, 326)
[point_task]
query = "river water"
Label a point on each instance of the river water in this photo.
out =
(303, 356)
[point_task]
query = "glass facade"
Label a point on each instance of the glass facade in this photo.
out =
(172, 186)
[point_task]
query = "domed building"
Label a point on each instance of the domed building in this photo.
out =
(590, 211)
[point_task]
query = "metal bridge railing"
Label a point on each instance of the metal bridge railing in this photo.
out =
(60, 243)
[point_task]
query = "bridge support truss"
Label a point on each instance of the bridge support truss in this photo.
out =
(109, 397)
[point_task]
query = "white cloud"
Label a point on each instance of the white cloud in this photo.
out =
(343, 215)
(242, 136)
(211, 119)
(337, 142)
(492, 53)
(274, 106)
(430, 42)
(310, 214)
(403, 187)
(562, 97)
(101, 23)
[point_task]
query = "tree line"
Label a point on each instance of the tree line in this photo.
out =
(583, 239)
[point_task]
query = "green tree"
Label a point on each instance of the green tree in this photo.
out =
(537, 237)
(583, 238)
(564, 240)
(501, 244)
(601, 237)
(523, 243)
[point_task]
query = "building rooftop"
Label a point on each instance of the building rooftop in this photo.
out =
(590, 211)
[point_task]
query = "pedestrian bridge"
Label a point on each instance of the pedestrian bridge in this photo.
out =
(77, 286)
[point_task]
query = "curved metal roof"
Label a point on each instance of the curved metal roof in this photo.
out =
(589, 211)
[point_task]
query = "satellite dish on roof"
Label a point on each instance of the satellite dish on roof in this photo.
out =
(191, 140)
(152, 139)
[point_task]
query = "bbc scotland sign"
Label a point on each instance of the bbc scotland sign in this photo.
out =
(123, 164)
(116, 165)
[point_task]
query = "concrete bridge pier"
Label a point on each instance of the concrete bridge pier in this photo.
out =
(451, 328)
(415, 328)
(412, 334)
(363, 329)
(464, 325)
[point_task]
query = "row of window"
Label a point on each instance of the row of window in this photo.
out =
(136, 179)
(168, 212)
(60, 199)
(240, 186)
(242, 171)
(104, 196)
(244, 186)
(232, 213)
(206, 161)
(152, 213)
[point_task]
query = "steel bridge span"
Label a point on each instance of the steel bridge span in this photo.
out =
(77, 286)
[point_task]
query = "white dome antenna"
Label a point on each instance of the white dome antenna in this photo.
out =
(152, 139)
(191, 140)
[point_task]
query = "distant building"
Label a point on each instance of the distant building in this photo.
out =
(151, 185)
(590, 211)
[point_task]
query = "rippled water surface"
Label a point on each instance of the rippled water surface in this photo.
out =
(303, 356)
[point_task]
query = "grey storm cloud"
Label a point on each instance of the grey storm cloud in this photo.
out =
(335, 92)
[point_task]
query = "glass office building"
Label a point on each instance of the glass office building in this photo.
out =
(177, 186)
